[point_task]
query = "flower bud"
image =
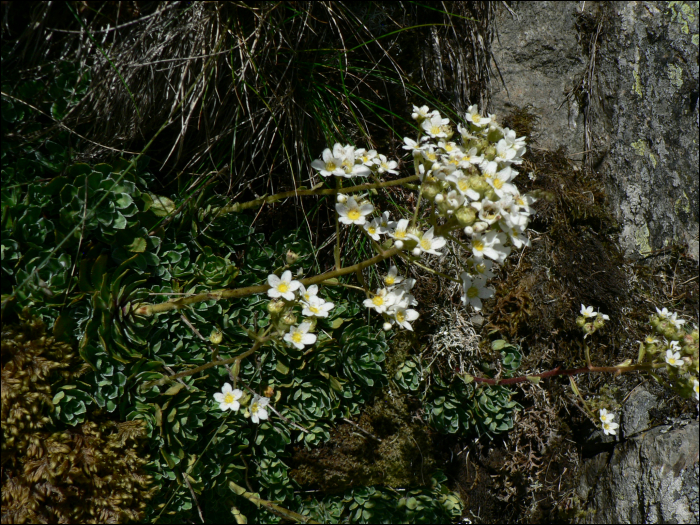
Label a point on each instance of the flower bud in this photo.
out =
(399, 245)
(466, 215)
(468, 230)
(588, 328)
(342, 198)
(480, 227)
(275, 307)
(491, 194)
(417, 252)
(490, 152)
(289, 318)
(430, 190)
(386, 327)
(669, 333)
(291, 257)
(598, 323)
(439, 198)
(216, 337)
(580, 321)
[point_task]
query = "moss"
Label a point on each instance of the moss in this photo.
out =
(401, 453)
(91, 473)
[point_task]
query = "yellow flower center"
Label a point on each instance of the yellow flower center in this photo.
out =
(481, 268)
(435, 130)
(283, 287)
(378, 300)
(354, 214)
(476, 117)
(431, 156)
(400, 317)
(314, 309)
(254, 408)
(372, 230)
(296, 337)
(478, 245)
(389, 280)
(330, 166)
(425, 244)
(400, 234)
(497, 183)
(519, 202)
(448, 147)
(228, 398)
(463, 184)
(472, 292)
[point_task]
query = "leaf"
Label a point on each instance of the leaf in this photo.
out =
(282, 368)
(174, 389)
(534, 379)
(137, 246)
(335, 384)
(498, 344)
(161, 206)
(337, 323)
(60, 395)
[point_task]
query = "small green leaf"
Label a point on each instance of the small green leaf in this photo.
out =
(61, 394)
(498, 344)
(337, 322)
(282, 368)
(174, 389)
(534, 379)
(161, 206)
(137, 246)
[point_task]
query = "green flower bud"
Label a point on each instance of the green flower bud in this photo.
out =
(580, 321)
(490, 152)
(276, 307)
(491, 194)
(466, 215)
(216, 337)
(430, 189)
(598, 323)
(289, 318)
(291, 257)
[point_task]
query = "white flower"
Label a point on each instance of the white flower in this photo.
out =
(412, 146)
(587, 312)
(490, 245)
(353, 213)
(373, 228)
(499, 182)
(386, 166)
(305, 294)
(385, 223)
(330, 165)
(696, 390)
(461, 182)
(607, 419)
(430, 244)
(435, 126)
(382, 300)
(393, 277)
(471, 157)
(663, 313)
(257, 408)
(484, 268)
(474, 117)
(282, 286)
(504, 153)
(366, 157)
(673, 319)
(403, 317)
(317, 307)
(420, 113)
(299, 336)
(474, 290)
(228, 398)
(400, 230)
(673, 358)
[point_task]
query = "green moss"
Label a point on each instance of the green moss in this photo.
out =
(91, 473)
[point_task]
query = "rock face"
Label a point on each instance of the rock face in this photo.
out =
(649, 478)
(630, 70)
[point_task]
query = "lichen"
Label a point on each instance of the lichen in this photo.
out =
(637, 84)
(675, 75)
(641, 239)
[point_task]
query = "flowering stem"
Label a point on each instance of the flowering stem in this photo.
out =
(267, 199)
(435, 272)
(152, 309)
(272, 507)
(336, 249)
(558, 371)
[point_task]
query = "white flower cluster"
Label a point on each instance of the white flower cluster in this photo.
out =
(393, 301)
(229, 397)
(606, 418)
(346, 161)
(468, 181)
(294, 293)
